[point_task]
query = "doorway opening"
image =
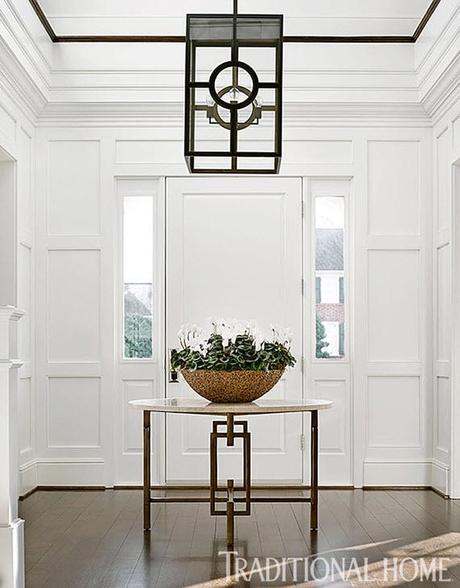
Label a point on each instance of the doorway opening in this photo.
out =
(8, 271)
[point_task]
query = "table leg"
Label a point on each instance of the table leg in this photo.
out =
(230, 514)
(314, 471)
(147, 454)
(232, 491)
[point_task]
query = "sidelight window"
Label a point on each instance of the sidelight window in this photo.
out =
(329, 277)
(137, 276)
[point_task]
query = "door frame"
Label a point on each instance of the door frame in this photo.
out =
(298, 292)
(329, 370)
(307, 303)
(454, 482)
(142, 369)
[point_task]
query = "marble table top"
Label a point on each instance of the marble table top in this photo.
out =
(201, 406)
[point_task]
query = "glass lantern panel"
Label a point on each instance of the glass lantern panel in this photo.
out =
(262, 60)
(207, 59)
(259, 28)
(258, 137)
(256, 163)
(208, 134)
(210, 28)
(215, 163)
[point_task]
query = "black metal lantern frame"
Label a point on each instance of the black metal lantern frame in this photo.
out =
(236, 103)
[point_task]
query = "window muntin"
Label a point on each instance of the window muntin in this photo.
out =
(329, 273)
(137, 277)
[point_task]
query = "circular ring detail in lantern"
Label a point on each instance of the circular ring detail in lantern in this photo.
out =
(241, 125)
(215, 94)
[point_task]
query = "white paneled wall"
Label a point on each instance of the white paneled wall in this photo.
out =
(446, 259)
(75, 293)
(16, 139)
(379, 123)
(392, 378)
(379, 431)
(75, 171)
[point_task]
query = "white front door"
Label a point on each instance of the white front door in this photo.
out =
(234, 250)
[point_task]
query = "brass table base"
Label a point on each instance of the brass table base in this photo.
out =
(231, 500)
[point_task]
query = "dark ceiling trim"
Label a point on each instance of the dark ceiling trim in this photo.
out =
(349, 39)
(181, 39)
(119, 39)
(426, 17)
(42, 18)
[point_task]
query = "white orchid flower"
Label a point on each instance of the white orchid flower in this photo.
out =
(281, 336)
(250, 327)
(196, 338)
(259, 338)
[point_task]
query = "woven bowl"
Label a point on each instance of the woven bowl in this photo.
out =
(237, 386)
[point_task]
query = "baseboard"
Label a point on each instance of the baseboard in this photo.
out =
(394, 488)
(397, 473)
(72, 488)
(185, 487)
(439, 493)
(88, 474)
(74, 472)
(61, 488)
(440, 474)
(28, 493)
(28, 477)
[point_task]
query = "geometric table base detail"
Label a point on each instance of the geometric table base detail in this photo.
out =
(232, 500)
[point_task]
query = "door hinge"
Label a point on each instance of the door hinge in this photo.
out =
(302, 442)
(302, 209)
(302, 286)
(302, 364)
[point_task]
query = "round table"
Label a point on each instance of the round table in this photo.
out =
(231, 429)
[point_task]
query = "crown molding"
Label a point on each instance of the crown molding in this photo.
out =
(359, 114)
(19, 86)
(21, 32)
(438, 74)
(170, 114)
(444, 94)
(107, 98)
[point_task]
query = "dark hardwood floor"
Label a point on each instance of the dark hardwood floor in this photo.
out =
(95, 538)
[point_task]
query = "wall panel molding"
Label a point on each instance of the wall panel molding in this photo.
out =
(73, 409)
(74, 187)
(120, 453)
(395, 413)
(75, 306)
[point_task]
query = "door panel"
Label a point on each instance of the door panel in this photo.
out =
(234, 250)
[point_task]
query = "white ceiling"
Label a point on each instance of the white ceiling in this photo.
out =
(303, 17)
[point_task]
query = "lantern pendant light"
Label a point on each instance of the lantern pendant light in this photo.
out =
(233, 93)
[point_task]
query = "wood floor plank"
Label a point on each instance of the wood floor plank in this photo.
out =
(156, 543)
(200, 566)
(96, 539)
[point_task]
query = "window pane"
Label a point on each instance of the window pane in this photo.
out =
(329, 273)
(137, 275)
